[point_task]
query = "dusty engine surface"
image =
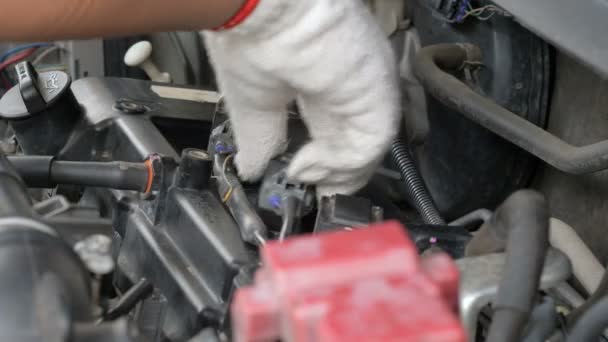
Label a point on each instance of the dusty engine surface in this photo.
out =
(132, 184)
(140, 184)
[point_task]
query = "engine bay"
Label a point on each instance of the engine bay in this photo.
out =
(168, 236)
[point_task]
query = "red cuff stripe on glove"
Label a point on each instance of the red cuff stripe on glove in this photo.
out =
(240, 16)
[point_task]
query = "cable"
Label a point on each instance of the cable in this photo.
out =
(20, 53)
(488, 10)
(415, 184)
(483, 13)
(46, 53)
(462, 11)
(20, 48)
(290, 208)
(17, 58)
(230, 190)
(138, 292)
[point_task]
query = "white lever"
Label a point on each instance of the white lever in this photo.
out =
(139, 55)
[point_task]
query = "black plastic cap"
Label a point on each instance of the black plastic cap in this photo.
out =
(35, 92)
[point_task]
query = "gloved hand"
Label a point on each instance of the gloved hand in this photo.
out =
(335, 60)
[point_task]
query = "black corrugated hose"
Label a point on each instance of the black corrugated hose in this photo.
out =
(415, 184)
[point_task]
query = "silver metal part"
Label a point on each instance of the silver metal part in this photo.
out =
(481, 275)
(96, 253)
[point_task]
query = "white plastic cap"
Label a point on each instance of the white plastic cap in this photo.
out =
(138, 53)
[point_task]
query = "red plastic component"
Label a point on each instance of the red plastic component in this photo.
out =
(368, 285)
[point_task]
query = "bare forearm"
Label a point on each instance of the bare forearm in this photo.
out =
(25, 20)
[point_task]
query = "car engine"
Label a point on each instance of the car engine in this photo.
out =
(123, 218)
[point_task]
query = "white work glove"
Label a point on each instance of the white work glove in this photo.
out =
(335, 60)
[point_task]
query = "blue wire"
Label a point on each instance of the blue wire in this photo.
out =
(462, 10)
(20, 48)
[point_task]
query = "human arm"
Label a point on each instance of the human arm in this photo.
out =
(28, 20)
(330, 55)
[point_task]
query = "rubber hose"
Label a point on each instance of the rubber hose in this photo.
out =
(429, 66)
(114, 175)
(591, 323)
(524, 219)
(596, 297)
(46, 172)
(415, 184)
(543, 322)
(129, 299)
